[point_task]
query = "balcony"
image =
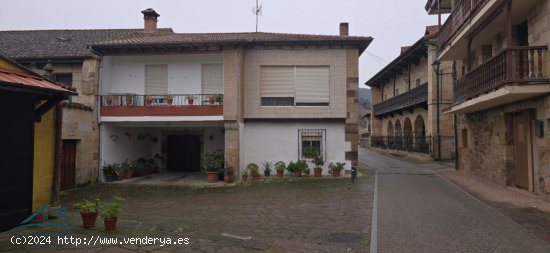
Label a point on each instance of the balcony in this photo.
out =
(162, 105)
(463, 11)
(402, 101)
(516, 65)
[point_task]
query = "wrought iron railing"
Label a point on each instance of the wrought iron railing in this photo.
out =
(409, 143)
(130, 100)
(511, 65)
(463, 11)
(407, 99)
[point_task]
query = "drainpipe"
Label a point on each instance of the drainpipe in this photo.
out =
(438, 128)
(455, 121)
(57, 158)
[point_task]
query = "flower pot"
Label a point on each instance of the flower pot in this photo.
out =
(109, 101)
(110, 177)
(148, 100)
(244, 178)
(212, 177)
(169, 100)
(267, 173)
(297, 173)
(110, 223)
(88, 219)
(336, 173)
(212, 100)
(119, 176)
(318, 172)
(280, 173)
(228, 178)
(129, 101)
(190, 101)
(128, 174)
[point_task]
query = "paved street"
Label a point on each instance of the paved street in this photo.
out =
(418, 211)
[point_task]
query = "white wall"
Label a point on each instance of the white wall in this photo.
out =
(279, 142)
(117, 145)
(126, 74)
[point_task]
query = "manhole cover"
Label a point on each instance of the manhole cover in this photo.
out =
(344, 237)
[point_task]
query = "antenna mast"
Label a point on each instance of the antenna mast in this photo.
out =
(257, 11)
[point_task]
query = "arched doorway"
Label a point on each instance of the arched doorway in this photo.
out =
(398, 134)
(389, 134)
(407, 134)
(421, 144)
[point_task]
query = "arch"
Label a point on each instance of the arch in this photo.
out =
(407, 133)
(420, 134)
(398, 134)
(389, 131)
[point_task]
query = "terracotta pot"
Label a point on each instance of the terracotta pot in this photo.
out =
(318, 172)
(129, 101)
(148, 101)
(280, 173)
(88, 219)
(212, 177)
(228, 179)
(169, 100)
(110, 223)
(109, 101)
(120, 176)
(128, 174)
(212, 100)
(244, 178)
(190, 101)
(297, 173)
(336, 173)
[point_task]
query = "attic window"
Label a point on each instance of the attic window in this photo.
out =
(62, 38)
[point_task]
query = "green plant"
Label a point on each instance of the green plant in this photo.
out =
(219, 98)
(336, 167)
(318, 161)
(307, 172)
(88, 206)
(191, 97)
(311, 151)
(244, 173)
(111, 209)
(253, 169)
(268, 165)
(302, 165)
(292, 166)
(108, 169)
(212, 160)
(280, 166)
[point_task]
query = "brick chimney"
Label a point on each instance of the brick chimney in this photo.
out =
(150, 17)
(344, 29)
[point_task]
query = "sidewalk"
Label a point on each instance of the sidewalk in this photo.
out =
(522, 207)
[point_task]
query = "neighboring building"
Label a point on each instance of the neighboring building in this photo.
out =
(75, 66)
(501, 91)
(408, 98)
(257, 96)
(364, 124)
(27, 149)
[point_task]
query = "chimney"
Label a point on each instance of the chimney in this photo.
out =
(150, 17)
(344, 29)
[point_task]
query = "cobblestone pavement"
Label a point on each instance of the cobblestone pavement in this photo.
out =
(306, 215)
(418, 211)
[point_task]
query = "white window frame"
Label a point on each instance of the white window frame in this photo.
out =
(303, 133)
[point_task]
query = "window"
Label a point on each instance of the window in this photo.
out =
(156, 79)
(417, 82)
(294, 85)
(311, 143)
(212, 79)
(464, 133)
(66, 79)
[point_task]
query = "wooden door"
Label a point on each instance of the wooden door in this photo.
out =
(68, 163)
(521, 150)
(183, 153)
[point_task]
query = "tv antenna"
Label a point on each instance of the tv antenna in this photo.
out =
(258, 12)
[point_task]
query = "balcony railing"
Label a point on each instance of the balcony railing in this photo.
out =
(172, 100)
(462, 12)
(512, 65)
(402, 101)
(406, 142)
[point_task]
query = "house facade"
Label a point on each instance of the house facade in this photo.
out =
(76, 67)
(256, 96)
(408, 97)
(501, 90)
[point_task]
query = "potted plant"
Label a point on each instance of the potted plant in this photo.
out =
(219, 99)
(280, 167)
(127, 169)
(302, 167)
(310, 152)
(244, 175)
(148, 100)
(191, 99)
(118, 172)
(109, 172)
(88, 211)
(129, 99)
(267, 168)
(293, 169)
(212, 162)
(169, 99)
(319, 162)
(229, 175)
(109, 100)
(110, 212)
(254, 170)
(335, 169)
(212, 99)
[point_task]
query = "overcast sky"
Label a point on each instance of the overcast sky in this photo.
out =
(392, 23)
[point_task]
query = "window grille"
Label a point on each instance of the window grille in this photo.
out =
(311, 143)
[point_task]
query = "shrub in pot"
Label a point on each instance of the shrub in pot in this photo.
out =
(109, 172)
(303, 167)
(268, 165)
(88, 211)
(212, 99)
(229, 175)
(280, 167)
(254, 170)
(148, 100)
(319, 162)
(244, 175)
(310, 152)
(335, 169)
(110, 212)
(212, 162)
(191, 100)
(293, 169)
(169, 99)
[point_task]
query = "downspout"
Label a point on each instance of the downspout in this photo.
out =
(99, 125)
(437, 119)
(455, 121)
(57, 158)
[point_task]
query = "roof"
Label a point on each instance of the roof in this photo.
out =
(56, 44)
(408, 54)
(233, 39)
(25, 78)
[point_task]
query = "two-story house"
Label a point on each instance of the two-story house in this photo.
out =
(501, 91)
(408, 96)
(257, 96)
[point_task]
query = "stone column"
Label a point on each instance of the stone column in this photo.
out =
(233, 61)
(352, 116)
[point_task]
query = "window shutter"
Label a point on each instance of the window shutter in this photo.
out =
(276, 81)
(156, 79)
(312, 84)
(212, 79)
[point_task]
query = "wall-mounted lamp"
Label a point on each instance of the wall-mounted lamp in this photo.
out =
(114, 137)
